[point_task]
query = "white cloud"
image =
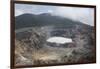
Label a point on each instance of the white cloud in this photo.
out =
(18, 12)
(21, 9)
(85, 15)
(50, 11)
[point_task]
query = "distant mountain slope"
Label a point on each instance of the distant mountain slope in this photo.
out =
(45, 19)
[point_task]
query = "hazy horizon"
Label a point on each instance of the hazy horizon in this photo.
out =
(84, 15)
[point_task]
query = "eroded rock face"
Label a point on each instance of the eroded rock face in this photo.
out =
(32, 31)
(26, 43)
(31, 47)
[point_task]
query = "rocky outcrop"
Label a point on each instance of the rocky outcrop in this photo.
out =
(31, 47)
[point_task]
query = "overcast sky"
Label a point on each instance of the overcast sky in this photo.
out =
(85, 15)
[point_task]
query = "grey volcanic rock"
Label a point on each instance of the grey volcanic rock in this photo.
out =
(31, 47)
